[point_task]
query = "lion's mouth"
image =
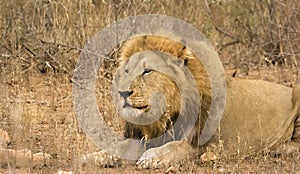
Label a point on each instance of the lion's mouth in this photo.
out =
(139, 103)
(141, 107)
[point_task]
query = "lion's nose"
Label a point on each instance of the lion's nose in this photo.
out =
(125, 94)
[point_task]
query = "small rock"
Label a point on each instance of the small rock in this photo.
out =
(208, 156)
(64, 172)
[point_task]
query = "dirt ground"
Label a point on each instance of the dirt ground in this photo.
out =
(41, 41)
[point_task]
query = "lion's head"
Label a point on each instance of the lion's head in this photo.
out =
(150, 99)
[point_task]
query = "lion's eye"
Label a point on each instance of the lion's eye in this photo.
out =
(146, 72)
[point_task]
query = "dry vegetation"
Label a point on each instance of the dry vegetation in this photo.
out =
(41, 41)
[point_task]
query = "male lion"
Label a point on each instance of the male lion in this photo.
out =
(258, 115)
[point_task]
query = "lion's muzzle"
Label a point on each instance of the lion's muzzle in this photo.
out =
(125, 95)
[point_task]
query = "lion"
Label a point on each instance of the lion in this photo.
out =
(258, 115)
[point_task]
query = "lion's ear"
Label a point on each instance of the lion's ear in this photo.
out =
(183, 42)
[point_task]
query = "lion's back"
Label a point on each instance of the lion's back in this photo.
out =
(257, 115)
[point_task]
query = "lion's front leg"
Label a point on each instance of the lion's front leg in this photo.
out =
(129, 148)
(169, 154)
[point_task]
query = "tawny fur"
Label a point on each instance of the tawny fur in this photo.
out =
(258, 115)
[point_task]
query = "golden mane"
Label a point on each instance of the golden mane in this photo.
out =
(179, 51)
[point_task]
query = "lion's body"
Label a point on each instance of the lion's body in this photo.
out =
(257, 115)
(296, 112)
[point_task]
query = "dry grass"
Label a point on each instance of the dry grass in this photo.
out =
(41, 41)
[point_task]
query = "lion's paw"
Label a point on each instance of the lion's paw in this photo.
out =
(169, 154)
(100, 158)
(155, 163)
(151, 160)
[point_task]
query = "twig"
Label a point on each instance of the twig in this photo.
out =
(228, 35)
